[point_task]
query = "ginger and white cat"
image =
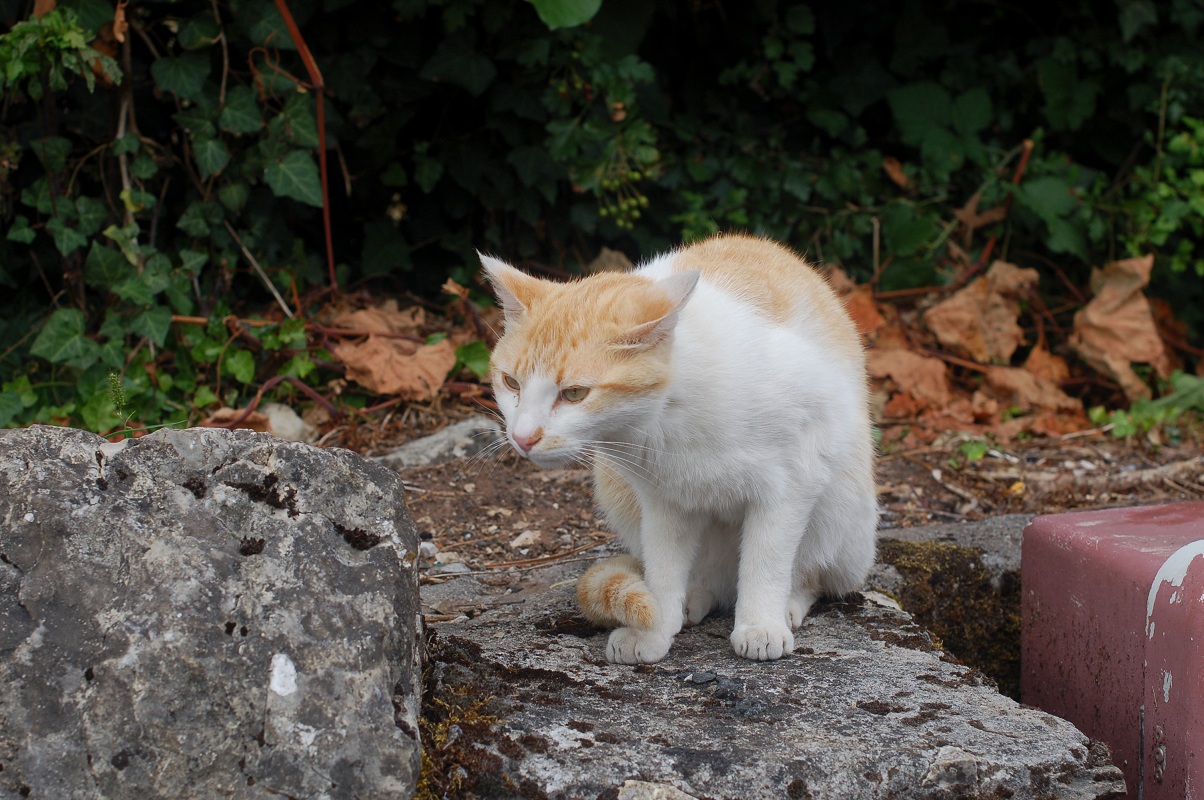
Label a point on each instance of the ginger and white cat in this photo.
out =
(720, 393)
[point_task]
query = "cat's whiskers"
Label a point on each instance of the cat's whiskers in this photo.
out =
(610, 451)
(485, 457)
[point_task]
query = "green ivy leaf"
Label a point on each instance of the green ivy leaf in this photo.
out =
(66, 238)
(126, 238)
(62, 340)
(475, 356)
(104, 267)
(143, 166)
(141, 288)
(972, 112)
(919, 108)
(20, 230)
(1048, 197)
(234, 196)
(566, 13)
(127, 144)
(204, 397)
(457, 63)
(184, 75)
(154, 323)
(299, 118)
(211, 155)
(241, 112)
(201, 218)
(100, 414)
(270, 30)
(10, 407)
(52, 151)
(192, 261)
(240, 365)
(296, 176)
(199, 31)
(1069, 100)
(92, 214)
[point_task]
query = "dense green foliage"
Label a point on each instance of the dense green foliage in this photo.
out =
(456, 125)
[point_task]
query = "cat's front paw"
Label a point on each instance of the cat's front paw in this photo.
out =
(763, 642)
(636, 646)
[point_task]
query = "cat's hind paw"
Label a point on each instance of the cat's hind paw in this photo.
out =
(636, 646)
(800, 603)
(763, 642)
(699, 603)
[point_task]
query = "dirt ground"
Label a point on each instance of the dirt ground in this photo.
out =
(499, 516)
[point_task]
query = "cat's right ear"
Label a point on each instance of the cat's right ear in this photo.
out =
(515, 290)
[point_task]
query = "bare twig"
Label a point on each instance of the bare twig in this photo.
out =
(288, 312)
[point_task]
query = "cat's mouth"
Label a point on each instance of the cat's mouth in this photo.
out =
(548, 459)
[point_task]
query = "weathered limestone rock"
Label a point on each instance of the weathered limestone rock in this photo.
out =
(866, 707)
(458, 440)
(203, 613)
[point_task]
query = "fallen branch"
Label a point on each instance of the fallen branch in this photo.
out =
(1192, 470)
(549, 559)
(270, 384)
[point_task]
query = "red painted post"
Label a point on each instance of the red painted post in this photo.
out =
(1112, 637)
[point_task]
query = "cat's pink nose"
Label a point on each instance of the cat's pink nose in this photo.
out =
(525, 443)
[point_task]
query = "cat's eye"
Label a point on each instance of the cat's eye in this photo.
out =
(511, 382)
(574, 394)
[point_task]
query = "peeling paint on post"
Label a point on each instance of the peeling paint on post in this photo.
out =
(1113, 636)
(1174, 718)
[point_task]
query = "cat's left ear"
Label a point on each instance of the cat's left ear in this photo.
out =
(515, 289)
(677, 288)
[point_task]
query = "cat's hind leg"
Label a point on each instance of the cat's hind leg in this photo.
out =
(801, 600)
(713, 578)
(699, 603)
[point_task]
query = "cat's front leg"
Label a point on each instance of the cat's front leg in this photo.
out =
(668, 540)
(768, 542)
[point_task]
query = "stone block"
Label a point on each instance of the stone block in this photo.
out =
(204, 613)
(1113, 636)
(525, 705)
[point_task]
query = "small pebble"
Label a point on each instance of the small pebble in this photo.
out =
(428, 549)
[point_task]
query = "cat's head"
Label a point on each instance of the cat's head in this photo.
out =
(582, 362)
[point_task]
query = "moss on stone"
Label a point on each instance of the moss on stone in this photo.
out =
(949, 591)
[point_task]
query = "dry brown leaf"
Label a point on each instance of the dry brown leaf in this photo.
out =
(863, 309)
(921, 377)
(609, 261)
(120, 24)
(385, 318)
(1045, 364)
(43, 7)
(1116, 328)
(980, 320)
(398, 367)
(454, 289)
(1020, 387)
(894, 171)
(254, 421)
(840, 282)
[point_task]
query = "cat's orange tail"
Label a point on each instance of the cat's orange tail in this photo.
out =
(612, 593)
